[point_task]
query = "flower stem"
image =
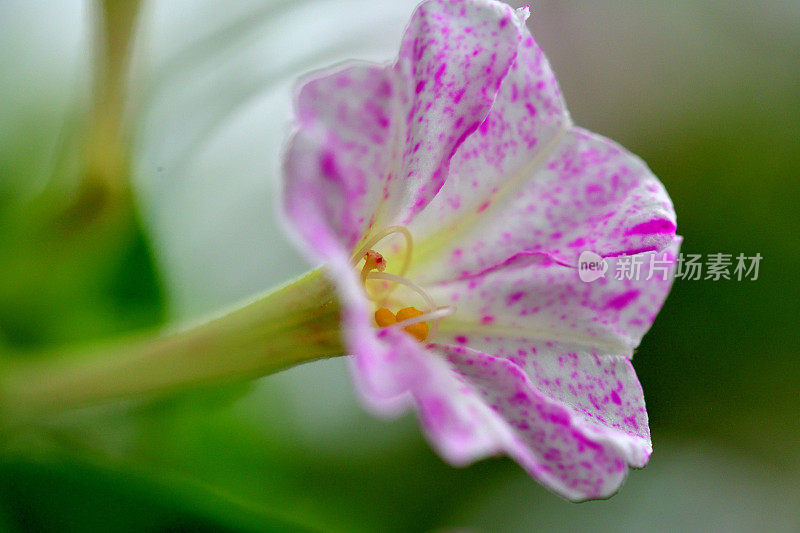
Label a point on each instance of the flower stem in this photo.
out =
(106, 157)
(293, 324)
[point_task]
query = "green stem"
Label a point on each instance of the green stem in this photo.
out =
(293, 324)
(106, 148)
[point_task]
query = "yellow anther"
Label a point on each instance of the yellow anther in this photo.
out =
(419, 330)
(384, 317)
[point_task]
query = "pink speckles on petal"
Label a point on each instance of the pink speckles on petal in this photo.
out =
(454, 57)
(514, 297)
(532, 293)
(572, 455)
(342, 145)
(623, 300)
(615, 397)
(599, 387)
(651, 227)
(428, 102)
(526, 116)
(589, 194)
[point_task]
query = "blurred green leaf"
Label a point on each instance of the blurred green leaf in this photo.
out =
(70, 495)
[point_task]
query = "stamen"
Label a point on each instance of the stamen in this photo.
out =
(433, 316)
(419, 330)
(411, 319)
(379, 237)
(431, 310)
(385, 318)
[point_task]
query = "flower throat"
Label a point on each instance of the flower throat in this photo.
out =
(413, 320)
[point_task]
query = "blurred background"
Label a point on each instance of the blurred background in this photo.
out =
(100, 238)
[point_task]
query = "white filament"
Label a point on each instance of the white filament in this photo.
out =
(408, 283)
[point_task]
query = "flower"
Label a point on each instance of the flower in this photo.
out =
(454, 179)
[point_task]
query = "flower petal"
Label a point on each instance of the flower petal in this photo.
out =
(453, 58)
(529, 180)
(374, 143)
(341, 150)
(550, 440)
(392, 371)
(472, 405)
(527, 119)
(531, 296)
(599, 387)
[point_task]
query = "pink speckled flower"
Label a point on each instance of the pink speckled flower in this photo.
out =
(464, 148)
